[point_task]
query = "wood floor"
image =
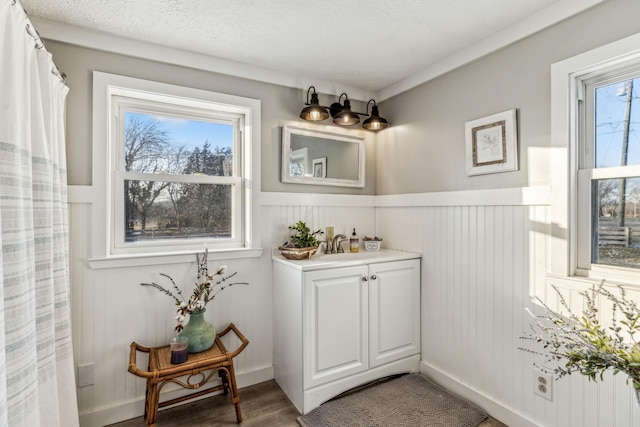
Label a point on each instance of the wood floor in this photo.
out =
(263, 405)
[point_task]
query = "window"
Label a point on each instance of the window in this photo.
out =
(299, 162)
(595, 156)
(180, 168)
(609, 169)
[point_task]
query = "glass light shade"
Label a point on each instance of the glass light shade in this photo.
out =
(314, 112)
(346, 117)
(375, 122)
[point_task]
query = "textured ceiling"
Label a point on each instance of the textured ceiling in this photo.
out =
(369, 44)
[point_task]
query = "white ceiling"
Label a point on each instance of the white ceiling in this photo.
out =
(379, 46)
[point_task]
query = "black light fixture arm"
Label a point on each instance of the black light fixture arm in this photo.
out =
(374, 104)
(356, 112)
(308, 93)
(339, 101)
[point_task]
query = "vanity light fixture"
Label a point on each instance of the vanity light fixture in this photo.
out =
(341, 113)
(314, 112)
(374, 122)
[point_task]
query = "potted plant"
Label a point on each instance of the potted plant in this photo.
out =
(303, 242)
(583, 344)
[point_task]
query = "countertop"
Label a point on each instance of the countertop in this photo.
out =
(348, 259)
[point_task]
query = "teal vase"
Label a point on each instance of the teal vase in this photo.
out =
(201, 333)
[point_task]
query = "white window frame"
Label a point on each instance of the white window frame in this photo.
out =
(569, 228)
(114, 94)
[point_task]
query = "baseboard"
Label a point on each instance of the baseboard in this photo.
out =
(135, 408)
(492, 407)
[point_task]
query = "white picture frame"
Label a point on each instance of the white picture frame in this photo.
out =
(492, 144)
(319, 167)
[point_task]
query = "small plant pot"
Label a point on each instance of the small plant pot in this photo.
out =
(372, 245)
(297, 253)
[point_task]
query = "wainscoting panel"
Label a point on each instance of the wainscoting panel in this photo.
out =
(277, 219)
(110, 309)
(481, 267)
(610, 402)
(477, 267)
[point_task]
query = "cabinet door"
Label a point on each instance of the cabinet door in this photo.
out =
(394, 314)
(336, 324)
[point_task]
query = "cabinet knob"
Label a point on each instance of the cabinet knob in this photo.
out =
(374, 277)
(365, 278)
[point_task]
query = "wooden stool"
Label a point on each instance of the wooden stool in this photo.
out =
(161, 371)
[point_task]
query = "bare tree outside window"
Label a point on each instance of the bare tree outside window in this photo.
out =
(166, 209)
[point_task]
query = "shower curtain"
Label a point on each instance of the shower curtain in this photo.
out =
(37, 384)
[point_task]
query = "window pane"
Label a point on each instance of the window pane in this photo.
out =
(163, 144)
(616, 224)
(617, 122)
(168, 210)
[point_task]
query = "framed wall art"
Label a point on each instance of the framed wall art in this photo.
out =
(492, 144)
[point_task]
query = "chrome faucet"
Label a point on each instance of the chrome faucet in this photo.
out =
(337, 243)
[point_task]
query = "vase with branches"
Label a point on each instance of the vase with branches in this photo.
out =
(206, 287)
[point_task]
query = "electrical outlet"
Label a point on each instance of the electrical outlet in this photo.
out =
(86, 375)
(543, 384)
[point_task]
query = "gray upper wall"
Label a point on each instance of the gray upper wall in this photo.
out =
(424, 151)
(278, 104)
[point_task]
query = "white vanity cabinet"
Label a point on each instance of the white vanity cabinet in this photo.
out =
(341, 322)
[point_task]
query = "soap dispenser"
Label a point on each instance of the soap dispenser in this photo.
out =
(354, 243)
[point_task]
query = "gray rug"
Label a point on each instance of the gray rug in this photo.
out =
(407, 401)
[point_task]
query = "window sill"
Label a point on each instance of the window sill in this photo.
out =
(583, 282)
(137, 260)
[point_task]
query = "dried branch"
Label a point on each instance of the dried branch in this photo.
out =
(582, 344)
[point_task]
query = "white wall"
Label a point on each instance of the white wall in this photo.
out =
(483, 263)
(484, 260)
(111, 309)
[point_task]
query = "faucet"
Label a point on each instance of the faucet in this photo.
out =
(337, 243)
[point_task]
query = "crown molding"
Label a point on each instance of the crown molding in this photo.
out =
(531, 25)
(92, 39)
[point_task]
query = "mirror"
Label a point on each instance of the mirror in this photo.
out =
(318, 157)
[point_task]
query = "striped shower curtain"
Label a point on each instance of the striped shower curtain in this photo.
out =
(37, 385)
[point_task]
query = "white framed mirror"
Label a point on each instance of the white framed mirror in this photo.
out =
(322, 157)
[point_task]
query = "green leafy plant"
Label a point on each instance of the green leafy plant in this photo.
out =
(303, 237)
(581, 343)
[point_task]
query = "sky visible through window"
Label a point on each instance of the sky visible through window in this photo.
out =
(611, 104)
(190, 133)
